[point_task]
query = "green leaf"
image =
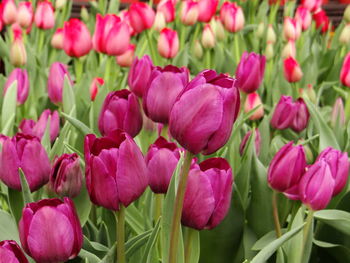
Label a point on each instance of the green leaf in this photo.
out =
(80, 126)
(194, 246)
(8, 111)
(111, 255)
(27, 196)
(336, 218)
(151, 242)
(68, 97)
(83, 205)
(268, 251)
(86, 255)
(266, 239)
(45, 140)
(135, 243)
(8, 227)
(134, 219)
(15, 199)
(95, 248)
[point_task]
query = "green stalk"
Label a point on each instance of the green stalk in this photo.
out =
(120, 217)
(307, 228)
(188, 246)
(237, 53)
(175, 225)
(158, 200)
(78, 68)
(41, 40)
(107, 76)
(151, 47)
(275, 215)
(207, 59)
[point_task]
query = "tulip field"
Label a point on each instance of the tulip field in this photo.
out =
(174, 131)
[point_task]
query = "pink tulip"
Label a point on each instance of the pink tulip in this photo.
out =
(141, 16)
(44, 15)
(253, 101)
(126, 59)
(311, 5)
(292, 70)
(25, 14)
(168, 43)
(303, 16)
(21, 76)
(207, 9)
(232, 17)
(94, 87)
(168, 9)
(18, 54)
(111, 35)
(77, 39)
(189, 12)
(291, 29)
(125, 17)
(9, 11)
(10, 252)
(345, 71)
(57, 39)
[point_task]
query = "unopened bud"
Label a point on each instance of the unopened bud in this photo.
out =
(269, 53)
(347, 14)
(271, 35)
(344, 37)
(60, 4)
(260, 30)
(197, 49)
(84, 13)
(208, 37)
(159, 22)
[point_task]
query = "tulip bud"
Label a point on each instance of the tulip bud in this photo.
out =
(164, 86)
(189, 12)
(44, 15)
(310, 92)
(269, 53)
(84, 14)
(271, 35)
(209, 117)
(115, 169)
(77, 39)
(159, 22)
(120, 110)
(60, 4)
(95, 84)
(10, 252)
(139, 75)
(250, 72)
(207, 9)
(316, 186)
(253, 101)
(260, 30)
(57, 39)
(303, 17)
(292, 70)
(167, 8)
(55, 82)
(344, 37)
(125, 17)
(18, 54)
(289, 50)
(21, 76)
(168, 43)
(208, 37)
(339, 165)
(301, 117)
(66, 175)
(208, 194)
(345, 71)
(23, 151)
(141, 16)
(25, 14)
(111, 35)
(197, 49)
(218, 28)
(347, 14)
(257, 142)
(338, 114)
(311, 5)
(291, 29)
(286, 169)
(50, 230)
(161, 159)
(284, 113)
(232, 17)
(126, 59)
(9, 12)
(322, 20)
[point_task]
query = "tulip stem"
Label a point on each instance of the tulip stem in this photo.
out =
(237, 55)
(158, 199)
(275, 215)
(41, 40)
(78, 68)
(151, 47)
(188, 245)
(120, 217)
(309, 220)
(175, 225)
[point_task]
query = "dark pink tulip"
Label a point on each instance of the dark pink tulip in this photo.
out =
(301, 117)
(21, 76)
(284, 113)
(345, 71)
(76, 38)
(50, 230)
(125, 17)
(287, 167)
(10, 252)
(232, 17)
(141, 16)
(44, 15)
(322, 20)
(120, 110)
(66, 175)
(164, 86)
(189, 12)
(25, 14)
(202, 117)
(25, 152)
(317, 185)
(257, 141)
(208, 194)
(38, 128)
(207, 9)
(115, 170)
(339, 165)
(55, 83)
(112, 36)
(168, 9)
(168, 43)
(292, 70)
(139, 75)
(8, 12)
(311, 5)
(161, 159)
(303, 16)
(250, 71)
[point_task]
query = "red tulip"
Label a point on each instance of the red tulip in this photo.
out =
(322, 20)
(232, 16)
(345, 71)
(77, 39)
(95, 84)
(168, 43)
(292, 70)
(168, 9)
(141, 16)
(44, 15)
(207, 9)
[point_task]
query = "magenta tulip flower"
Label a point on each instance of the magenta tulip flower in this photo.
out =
(25, 152)
(120, 110)
(161, 160)
(284, 113)
(202, 117)
(55, 83)
(10, 252)
(21, 76)
(301, 117)
(139, 75)
(50, 230)
(141, 16)
(257, 142)
(164, 86)
(250, 72)
(115, 170)
(317, 185)
(66, 175)
(208, 194)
